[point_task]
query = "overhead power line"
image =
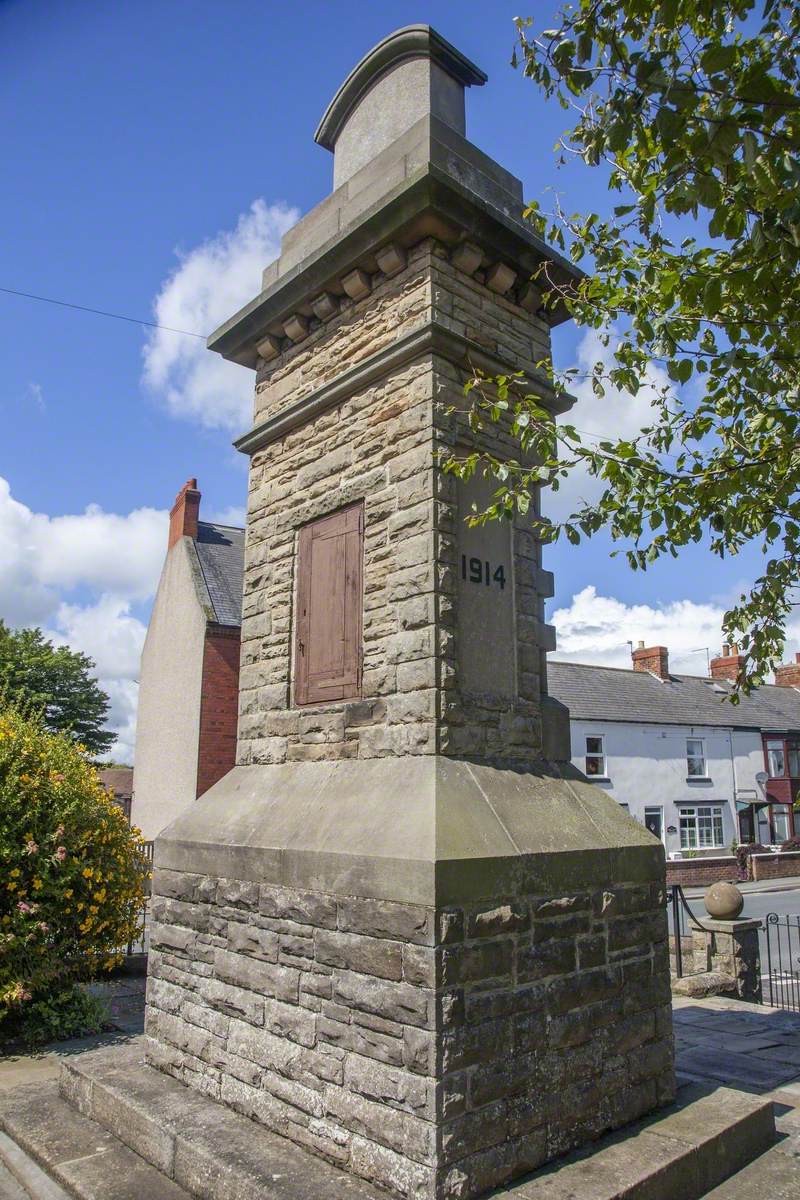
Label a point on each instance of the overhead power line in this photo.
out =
(99, 312)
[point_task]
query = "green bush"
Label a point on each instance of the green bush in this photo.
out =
(69, 1014)
(72, 872)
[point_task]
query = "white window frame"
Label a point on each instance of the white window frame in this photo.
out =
(776, 746)
(695, 836)
(655, 808)
(595, 756)
(690, 757)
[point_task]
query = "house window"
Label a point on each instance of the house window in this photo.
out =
(776, 758)
(695, 758)
(595, 756)
(654, 821)
(329, 602)
(701, 827)
(793, 754)
(780, 823)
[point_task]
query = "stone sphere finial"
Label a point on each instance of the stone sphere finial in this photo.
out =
(723, 901)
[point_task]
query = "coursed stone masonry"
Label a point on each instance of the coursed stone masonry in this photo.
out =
(435, 1053)
(397, 932)
(380, 444)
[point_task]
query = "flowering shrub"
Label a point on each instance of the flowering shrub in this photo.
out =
(743, 853)
(72, 872)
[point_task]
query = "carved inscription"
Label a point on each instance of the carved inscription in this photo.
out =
(485, 628)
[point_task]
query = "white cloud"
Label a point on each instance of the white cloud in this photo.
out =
(116, 558)
(234, 514)
(109, 634)
(208, 286)
(618, 414)
(596, 629)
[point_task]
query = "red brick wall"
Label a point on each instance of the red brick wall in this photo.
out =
(218, 705)
(775, 866)
(699, 872)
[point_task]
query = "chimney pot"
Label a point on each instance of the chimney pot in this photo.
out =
(728, 664)
(184, 514)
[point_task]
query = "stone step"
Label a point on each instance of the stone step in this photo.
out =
(207, 1148)
(119, 1130)
(10, 1188)
(55, 1153)
(678, 1153)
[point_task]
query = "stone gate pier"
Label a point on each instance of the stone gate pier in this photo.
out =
(403, 932)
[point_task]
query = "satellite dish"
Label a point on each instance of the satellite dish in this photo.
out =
(761, 777)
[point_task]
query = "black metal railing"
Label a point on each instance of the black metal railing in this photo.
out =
(783, 960)
(682, 924)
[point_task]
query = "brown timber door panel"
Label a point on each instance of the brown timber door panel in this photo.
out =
(328, 627)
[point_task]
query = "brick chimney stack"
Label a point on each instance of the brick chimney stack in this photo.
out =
(788, 675)
(654, 659)
(184, 514)
(728, 664)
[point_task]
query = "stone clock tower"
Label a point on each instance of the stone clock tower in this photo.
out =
(403, 931)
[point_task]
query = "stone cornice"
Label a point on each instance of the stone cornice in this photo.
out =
(432, 338)
(431, 196)
(413, 41)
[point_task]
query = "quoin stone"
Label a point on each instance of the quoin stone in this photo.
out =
(404, 932)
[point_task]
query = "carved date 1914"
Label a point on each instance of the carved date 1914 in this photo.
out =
(475, 570)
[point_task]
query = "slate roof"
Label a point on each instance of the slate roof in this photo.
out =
(119, 780)
(220, 551)
(615, 694)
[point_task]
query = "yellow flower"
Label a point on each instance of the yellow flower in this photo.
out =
(87, 872)
(37, 884)
(68, 893)
(15, 874)
(12, 887)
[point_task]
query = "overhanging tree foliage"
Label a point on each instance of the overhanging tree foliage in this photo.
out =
(57, 682)
(692, 109)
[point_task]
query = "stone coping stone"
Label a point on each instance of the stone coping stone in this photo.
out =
(207, 1149)
(55, 1152)
(678, 1153)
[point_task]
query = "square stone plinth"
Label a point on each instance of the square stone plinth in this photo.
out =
(436, 974)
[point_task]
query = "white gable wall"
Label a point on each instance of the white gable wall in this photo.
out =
(170, 685)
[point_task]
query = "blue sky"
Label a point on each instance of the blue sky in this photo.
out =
(152, 154)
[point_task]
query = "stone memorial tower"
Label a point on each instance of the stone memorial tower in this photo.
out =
(403, 931)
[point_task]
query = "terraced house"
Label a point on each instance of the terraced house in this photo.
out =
(699, 772)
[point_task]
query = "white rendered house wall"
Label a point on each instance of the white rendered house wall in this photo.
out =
(685, 778)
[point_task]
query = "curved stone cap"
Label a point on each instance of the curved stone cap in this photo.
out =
(426, 830)
(413, 41)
